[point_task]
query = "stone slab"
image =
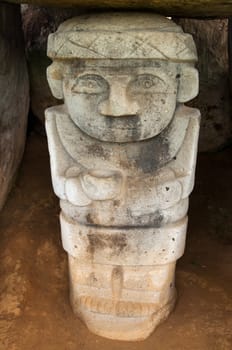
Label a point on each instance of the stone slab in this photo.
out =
(190, 8)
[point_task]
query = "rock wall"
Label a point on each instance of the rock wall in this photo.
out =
(14, 92)
(214, 100)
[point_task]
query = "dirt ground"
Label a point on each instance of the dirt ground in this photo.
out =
(34, 303)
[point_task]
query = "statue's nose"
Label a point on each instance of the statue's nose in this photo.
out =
(118, 104)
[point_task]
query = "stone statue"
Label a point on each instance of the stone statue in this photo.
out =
(123, 153)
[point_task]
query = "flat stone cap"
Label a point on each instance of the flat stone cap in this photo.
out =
(121, 35)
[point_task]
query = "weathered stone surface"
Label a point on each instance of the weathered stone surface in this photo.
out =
(184, 8)
(123, 153)
(214, 99)
(14, 91)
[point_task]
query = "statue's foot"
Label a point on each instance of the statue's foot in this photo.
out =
(122, 320)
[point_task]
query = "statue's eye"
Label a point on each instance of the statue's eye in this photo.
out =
(90, 84)
(147, 83)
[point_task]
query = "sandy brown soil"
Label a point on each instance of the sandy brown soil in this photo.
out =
(34, 306)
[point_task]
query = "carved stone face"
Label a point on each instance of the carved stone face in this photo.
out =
(121, 100)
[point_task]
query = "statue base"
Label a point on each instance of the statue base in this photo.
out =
(131, 316)
(123, 328)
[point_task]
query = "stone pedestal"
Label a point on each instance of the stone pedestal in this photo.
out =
(123, 153)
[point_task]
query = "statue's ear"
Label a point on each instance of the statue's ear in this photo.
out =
(55, 79)
(188, 84)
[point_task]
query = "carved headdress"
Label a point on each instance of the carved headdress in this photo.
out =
(121, 36)
(128, 36)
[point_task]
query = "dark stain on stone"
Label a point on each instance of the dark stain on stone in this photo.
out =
(131, 125)
(89, 219)
(156, 219)
(116, 202)
(94, 243)
(119, 242)
(136, 129)
(148, 220)
(98, 242)
(97, 150)
(153, 153)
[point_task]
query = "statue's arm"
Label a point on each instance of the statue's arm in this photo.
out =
(73, 182)
(65, 171)
(176, 180)
(184, 164)
(59, 159)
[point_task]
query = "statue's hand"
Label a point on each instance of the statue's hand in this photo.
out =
(169, 193)
(101, 185)
(74, 192)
